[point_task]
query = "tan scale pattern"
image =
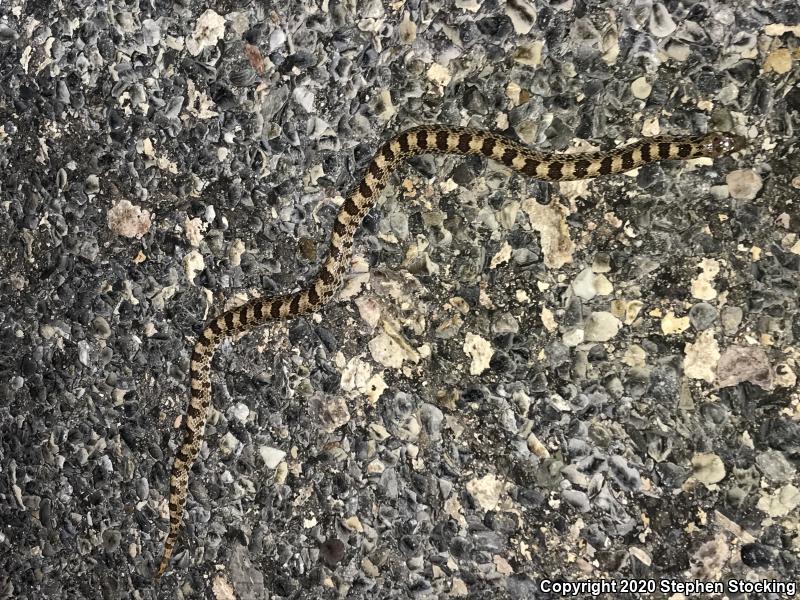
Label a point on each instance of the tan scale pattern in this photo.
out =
(421, 140)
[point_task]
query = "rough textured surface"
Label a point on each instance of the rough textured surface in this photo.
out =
(160, 162)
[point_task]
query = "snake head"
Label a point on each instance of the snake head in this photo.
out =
(719, 144)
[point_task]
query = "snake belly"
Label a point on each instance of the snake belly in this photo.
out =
(433, 139)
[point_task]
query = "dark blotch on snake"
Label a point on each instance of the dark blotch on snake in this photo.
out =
(463, 142)
(365, 191)
(350, 207)
(375, 170)
(627, 160)
(530, 167)
(554, 171)
(403, 141)
(581, 168)
(194, 410)
(326, 276)
(508, 156)
(441, 140)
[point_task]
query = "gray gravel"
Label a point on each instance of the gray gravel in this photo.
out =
(508, 391)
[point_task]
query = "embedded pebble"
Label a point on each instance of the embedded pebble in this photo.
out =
(678, 51)
(390, 351)
(702, 315)
(778, 61)
(304, 97)
(583, 285)
(601, 326)
(550, 222)
(708, 468)
(784, 376)
(522, 14)
(775, 466)
(601, 263)
(709, 558)
(731, 318)
(661, 23)
(334, 413)
(228, 444)
(470, 5)
(277, 38)
(480, 351)
(703, 284)
(701, 357)
(239, 411)
(529, 54)
(408, 29)
(193, 264)
(625, 474)
(439, 74)
(332, 551)
(151, 32)
(744, 184)
(128, 220)
(208, 30)
(577, 500)
(272, 457)
(573, 337)
(486, 490)
(641, 88)
(744, 363)
(431, 418)
(780, 503)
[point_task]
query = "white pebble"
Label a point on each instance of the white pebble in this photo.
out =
(239, 411)
(304, 97)
(208, 30)
(744, 184)
(480, 350)
(151, 32)
(228, 444)
(522, 15)
(276, 39)
(583, 285)
(573, 337)
(272, 457)
(661, 23)
(601, 326)
(641, 89)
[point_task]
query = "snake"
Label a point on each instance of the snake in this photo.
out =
(430, 139)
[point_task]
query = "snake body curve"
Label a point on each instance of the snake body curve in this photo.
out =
(433, 139)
